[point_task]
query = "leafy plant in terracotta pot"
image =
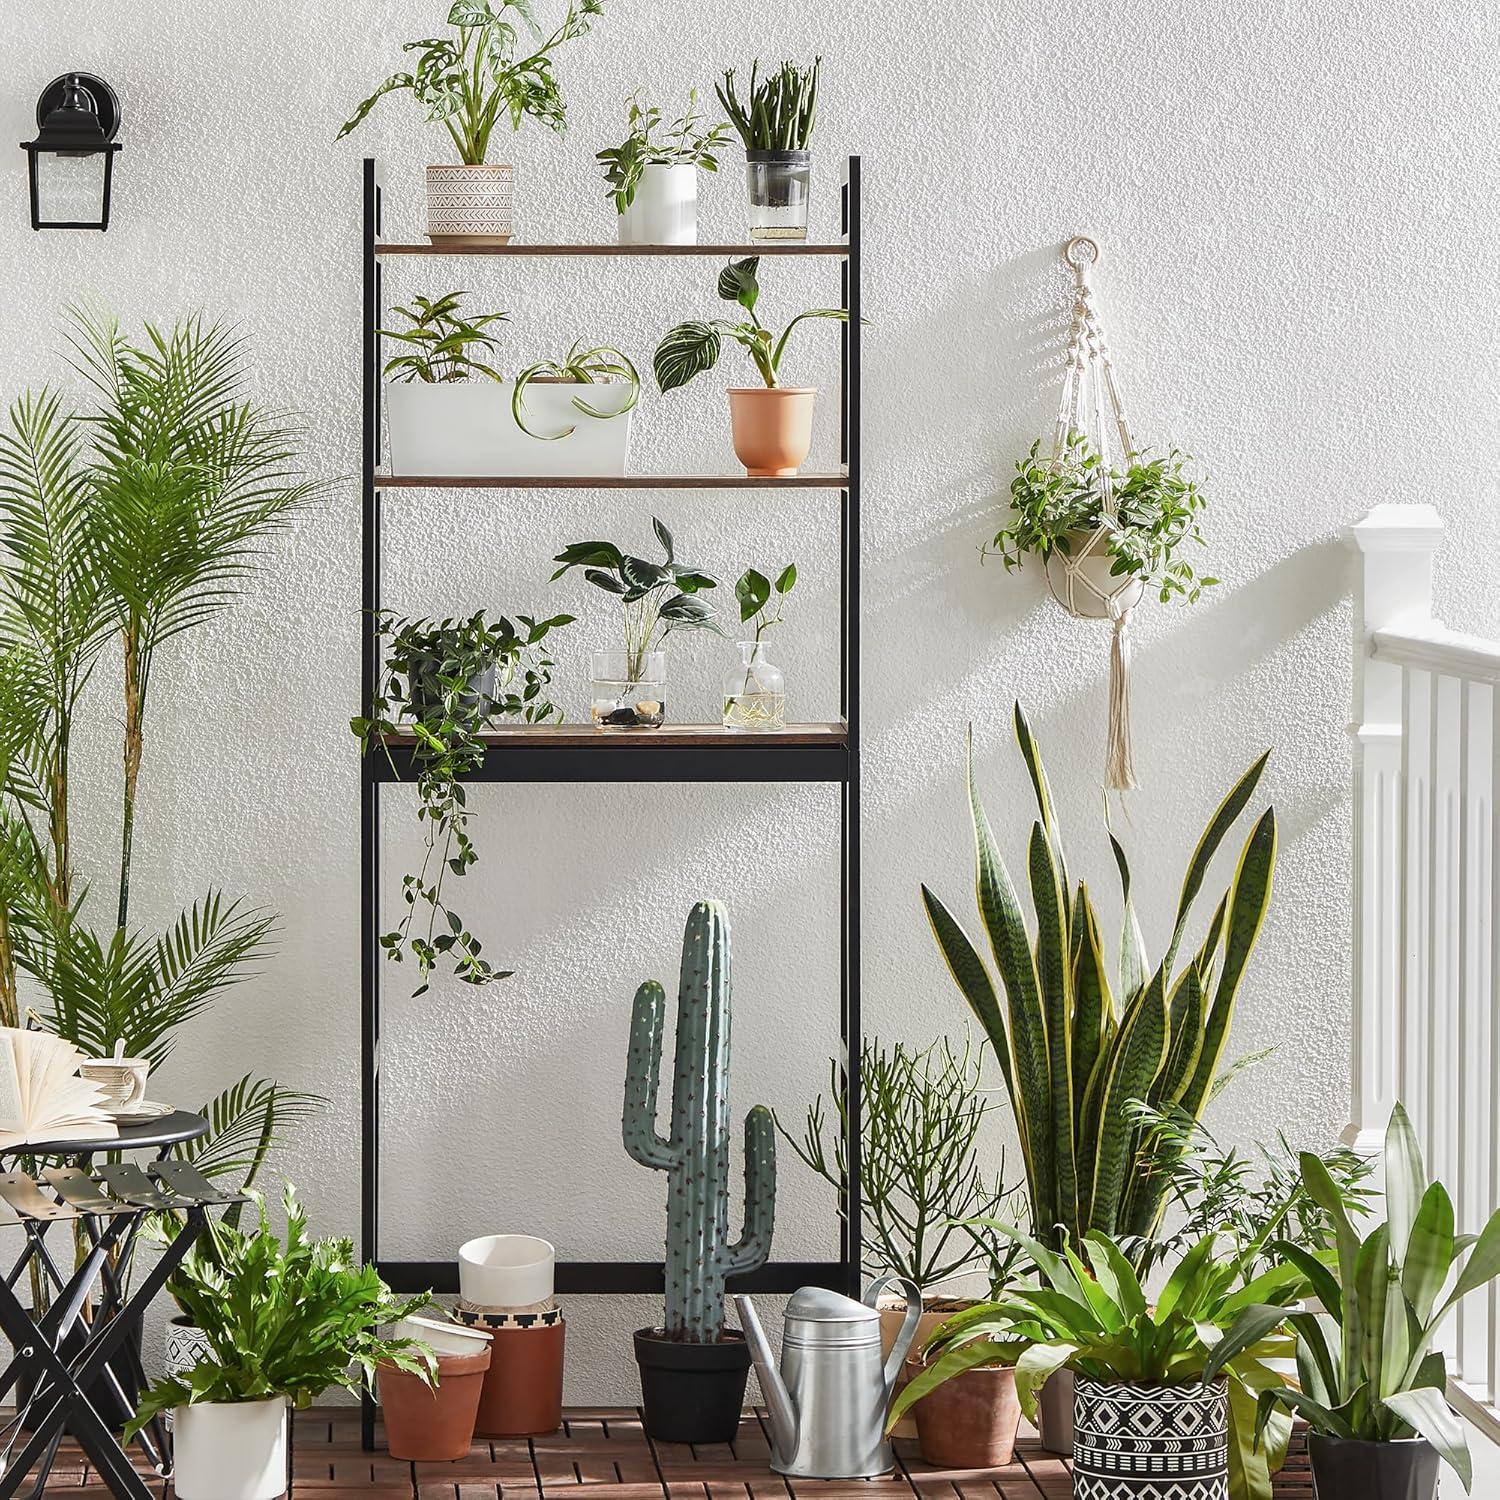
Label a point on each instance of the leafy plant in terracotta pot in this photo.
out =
(652, 175)
(772, 423)
(925, 1190)
(497, 67)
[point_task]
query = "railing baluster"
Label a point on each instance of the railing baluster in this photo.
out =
(1416, 905)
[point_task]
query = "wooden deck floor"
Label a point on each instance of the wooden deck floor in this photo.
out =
(601, 1454)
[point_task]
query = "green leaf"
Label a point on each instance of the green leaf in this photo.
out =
(738, 283)
(1429, 1250)
(663, 536)
(689, 349)
(1405, 1180)
(1483, 1264)
(1427, 1412)
(1115, 1274)
(753, 592)
(787, 580)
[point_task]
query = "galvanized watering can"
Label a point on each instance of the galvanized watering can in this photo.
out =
(828, 1401)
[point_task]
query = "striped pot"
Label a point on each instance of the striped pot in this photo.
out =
(469, 205)
(1150, 1442)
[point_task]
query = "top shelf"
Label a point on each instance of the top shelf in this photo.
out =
(790, 247)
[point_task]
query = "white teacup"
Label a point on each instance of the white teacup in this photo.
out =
(122, 1079)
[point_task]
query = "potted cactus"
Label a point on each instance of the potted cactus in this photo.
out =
(693, 1368)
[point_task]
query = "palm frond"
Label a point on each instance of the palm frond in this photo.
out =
(245, 1122)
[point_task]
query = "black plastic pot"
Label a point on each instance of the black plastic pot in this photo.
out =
(692, 1393)
(100, 1393)
(1346, 1468)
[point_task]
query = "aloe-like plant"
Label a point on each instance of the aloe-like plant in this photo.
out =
(1091, 1314)
(779, 111)
(600, 364)
(1077, 1045)
(443, 344)
(1366, 1365)
(691, 348)
(488, 71)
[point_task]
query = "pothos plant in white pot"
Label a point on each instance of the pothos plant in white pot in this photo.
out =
(497, 67)
(652, 175)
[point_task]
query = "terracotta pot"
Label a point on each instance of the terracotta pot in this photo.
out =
(892, 1314)
(469, 205)
(772, 427)
(969, 1422)
(431, 1425)
(524, 1386)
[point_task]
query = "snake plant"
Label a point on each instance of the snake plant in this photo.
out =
(1077, 1044)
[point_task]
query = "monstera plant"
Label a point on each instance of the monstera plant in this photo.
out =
(1080, 1044)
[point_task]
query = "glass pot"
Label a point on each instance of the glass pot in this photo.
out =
(779, 184)
(754, 692)
(629, 694)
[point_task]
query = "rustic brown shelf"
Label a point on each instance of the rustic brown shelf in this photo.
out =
(778, 248)
(836, 481)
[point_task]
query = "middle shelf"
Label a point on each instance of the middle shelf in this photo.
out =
(837, 480)
(674, 752)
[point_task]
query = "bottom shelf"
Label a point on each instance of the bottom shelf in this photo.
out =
(614, 1277)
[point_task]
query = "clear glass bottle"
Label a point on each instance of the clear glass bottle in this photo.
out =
(629, 699)
(779, 183)
(754, 692)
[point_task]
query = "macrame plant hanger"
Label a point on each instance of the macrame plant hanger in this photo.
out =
(1080, 580)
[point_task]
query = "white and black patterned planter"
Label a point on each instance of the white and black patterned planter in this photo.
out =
(1150, 1442)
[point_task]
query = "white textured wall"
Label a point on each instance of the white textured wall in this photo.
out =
(1295, 207)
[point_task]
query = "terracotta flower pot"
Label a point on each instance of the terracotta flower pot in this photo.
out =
(969, 1422)
(469, 205)
(892, 1314)
(430, 1425)
(772, 427)
(523, 1389)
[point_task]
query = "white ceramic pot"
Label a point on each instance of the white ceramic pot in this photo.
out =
(230, 1452)
(470, 205)
(443, 1337)
(466, 427)
(506, 1270)
(1092, 589)
(664, 210)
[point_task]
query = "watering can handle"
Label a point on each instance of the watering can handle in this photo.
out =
(913, 1294)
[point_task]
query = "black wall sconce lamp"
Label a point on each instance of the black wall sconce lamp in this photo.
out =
(71, 161)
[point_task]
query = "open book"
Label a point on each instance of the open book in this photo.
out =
(42, 1098)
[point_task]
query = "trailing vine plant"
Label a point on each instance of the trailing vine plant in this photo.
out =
(444, 682)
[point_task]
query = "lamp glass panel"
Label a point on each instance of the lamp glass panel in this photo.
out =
(70, 189)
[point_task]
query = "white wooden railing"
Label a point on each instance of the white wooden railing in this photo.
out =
(1426, 934)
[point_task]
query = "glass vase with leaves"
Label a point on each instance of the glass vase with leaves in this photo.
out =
(755, 691)
(443, 684)
(124, 528)
(656, 598)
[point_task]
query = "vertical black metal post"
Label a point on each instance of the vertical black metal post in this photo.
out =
(849, 528)
(369, 1050)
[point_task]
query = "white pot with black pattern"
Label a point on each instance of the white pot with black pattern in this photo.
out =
(1150, 1442)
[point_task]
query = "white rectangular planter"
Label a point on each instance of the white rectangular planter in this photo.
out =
(466, 427)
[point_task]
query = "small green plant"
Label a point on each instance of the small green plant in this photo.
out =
(488, 72)
(444, 682)
(658, 598)
(1158, 508)
(691, 348)
(444, 345)
(282, 1320)
(579, 366)
(686, 142)
(778, 112)
(761, 600)
(1091, 1314)
(925, 1190)
(1366, 1365)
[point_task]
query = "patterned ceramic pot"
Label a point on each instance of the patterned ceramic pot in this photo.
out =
(1150, 1442)
(469, 205)
(186, 1345)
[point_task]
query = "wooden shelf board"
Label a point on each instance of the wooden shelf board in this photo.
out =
(665, 737)
(835, 481)
(785, 247)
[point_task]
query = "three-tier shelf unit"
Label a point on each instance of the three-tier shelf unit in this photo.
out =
(517, 755)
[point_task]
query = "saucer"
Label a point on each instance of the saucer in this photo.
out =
(143, 1109)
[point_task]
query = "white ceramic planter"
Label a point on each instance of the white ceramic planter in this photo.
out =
(506, 1270)
(443, 1337)
(230, 1452)
(1093, 589)
(470, 205)
(664, 210)
(466, 427)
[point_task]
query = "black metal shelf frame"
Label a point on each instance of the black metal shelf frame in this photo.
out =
(523, 763)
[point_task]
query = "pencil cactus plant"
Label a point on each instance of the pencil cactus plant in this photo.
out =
(695, 1154)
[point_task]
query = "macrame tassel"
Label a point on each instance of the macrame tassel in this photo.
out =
(1119, 767)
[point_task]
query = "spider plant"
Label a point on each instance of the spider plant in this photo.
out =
(445, 346)
(1077, 1044)
(685, 142)
(691, 348)
(778, 112)
(579, 366)
(488, 72)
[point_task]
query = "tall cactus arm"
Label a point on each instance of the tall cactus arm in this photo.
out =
(641, 1071)
(753, 1246)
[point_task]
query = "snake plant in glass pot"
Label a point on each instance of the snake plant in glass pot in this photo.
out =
(775, 119)
(1370, 1383)
(772, 423)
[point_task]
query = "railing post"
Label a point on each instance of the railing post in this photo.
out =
(1396, 545)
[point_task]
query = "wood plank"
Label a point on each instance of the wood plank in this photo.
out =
(783, 247)
(836, 480)
(675, 736)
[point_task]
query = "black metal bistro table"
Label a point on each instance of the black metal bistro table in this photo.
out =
(110, 1203)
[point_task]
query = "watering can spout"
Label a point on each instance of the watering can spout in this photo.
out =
(779, 1406)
